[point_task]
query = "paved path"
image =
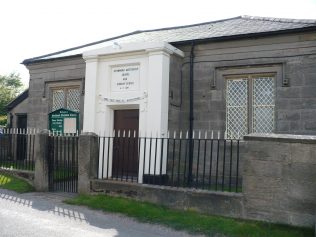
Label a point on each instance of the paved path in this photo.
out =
(44, 214)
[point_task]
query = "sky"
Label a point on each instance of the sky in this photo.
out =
(35, 27)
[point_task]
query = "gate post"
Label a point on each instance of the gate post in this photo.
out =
(87, 161)
(41, 162)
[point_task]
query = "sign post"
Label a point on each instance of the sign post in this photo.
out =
(64, 121)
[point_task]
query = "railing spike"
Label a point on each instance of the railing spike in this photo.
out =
(187, 134)
(205, 134)
(199, 134)
(174, 134)
(212, 135)
(193, 134)
(180, 134)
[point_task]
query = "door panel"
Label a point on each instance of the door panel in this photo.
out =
(125, 149)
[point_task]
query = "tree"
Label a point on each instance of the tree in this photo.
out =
(10, 87)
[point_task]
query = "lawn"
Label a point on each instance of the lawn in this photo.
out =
(12, 183)
(190, 221)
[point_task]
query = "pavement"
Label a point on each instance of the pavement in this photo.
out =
(44, 214)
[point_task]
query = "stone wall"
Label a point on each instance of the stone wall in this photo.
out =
(49, 74)
(293, 54)
(216, 203)
(279, 184)
(21, 108)
(279, 178)
(178, 118)
(28, 176)
(291, 57)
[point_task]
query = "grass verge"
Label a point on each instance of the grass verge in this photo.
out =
(190, 221)
(15, 184)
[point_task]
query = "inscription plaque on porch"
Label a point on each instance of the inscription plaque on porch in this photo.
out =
(125, 78)
(64, 121)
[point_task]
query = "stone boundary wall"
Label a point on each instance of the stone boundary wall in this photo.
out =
(279, 178)
(28, 176)
(279, 184)
(209, 202)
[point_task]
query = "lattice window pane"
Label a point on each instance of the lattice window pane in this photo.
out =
(73, 99)
(58, 99)
(237, 108)
(263, 104)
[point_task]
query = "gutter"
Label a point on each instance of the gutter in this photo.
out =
(191, 116)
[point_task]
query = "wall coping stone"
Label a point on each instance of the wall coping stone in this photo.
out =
(26, 175)
(178, 189)
(286, 138)
(88, 134)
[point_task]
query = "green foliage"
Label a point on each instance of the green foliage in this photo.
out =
(3, 120)
(15, 184)
(10, 87)
(188, 220)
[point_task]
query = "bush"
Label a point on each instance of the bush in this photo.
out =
(3, 120)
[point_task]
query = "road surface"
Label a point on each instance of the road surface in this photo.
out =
(44, 214)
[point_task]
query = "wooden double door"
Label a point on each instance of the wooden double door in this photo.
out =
(125, 144)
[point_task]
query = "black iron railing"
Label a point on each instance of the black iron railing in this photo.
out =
(62, 156)
(214, 164)
(17, 149)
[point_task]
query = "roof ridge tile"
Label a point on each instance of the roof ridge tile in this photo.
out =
(275, 19)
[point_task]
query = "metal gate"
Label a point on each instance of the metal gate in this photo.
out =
(63, 163)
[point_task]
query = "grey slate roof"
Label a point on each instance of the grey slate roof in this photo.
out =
(238, 26)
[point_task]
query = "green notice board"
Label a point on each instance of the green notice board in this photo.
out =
(63, 121)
